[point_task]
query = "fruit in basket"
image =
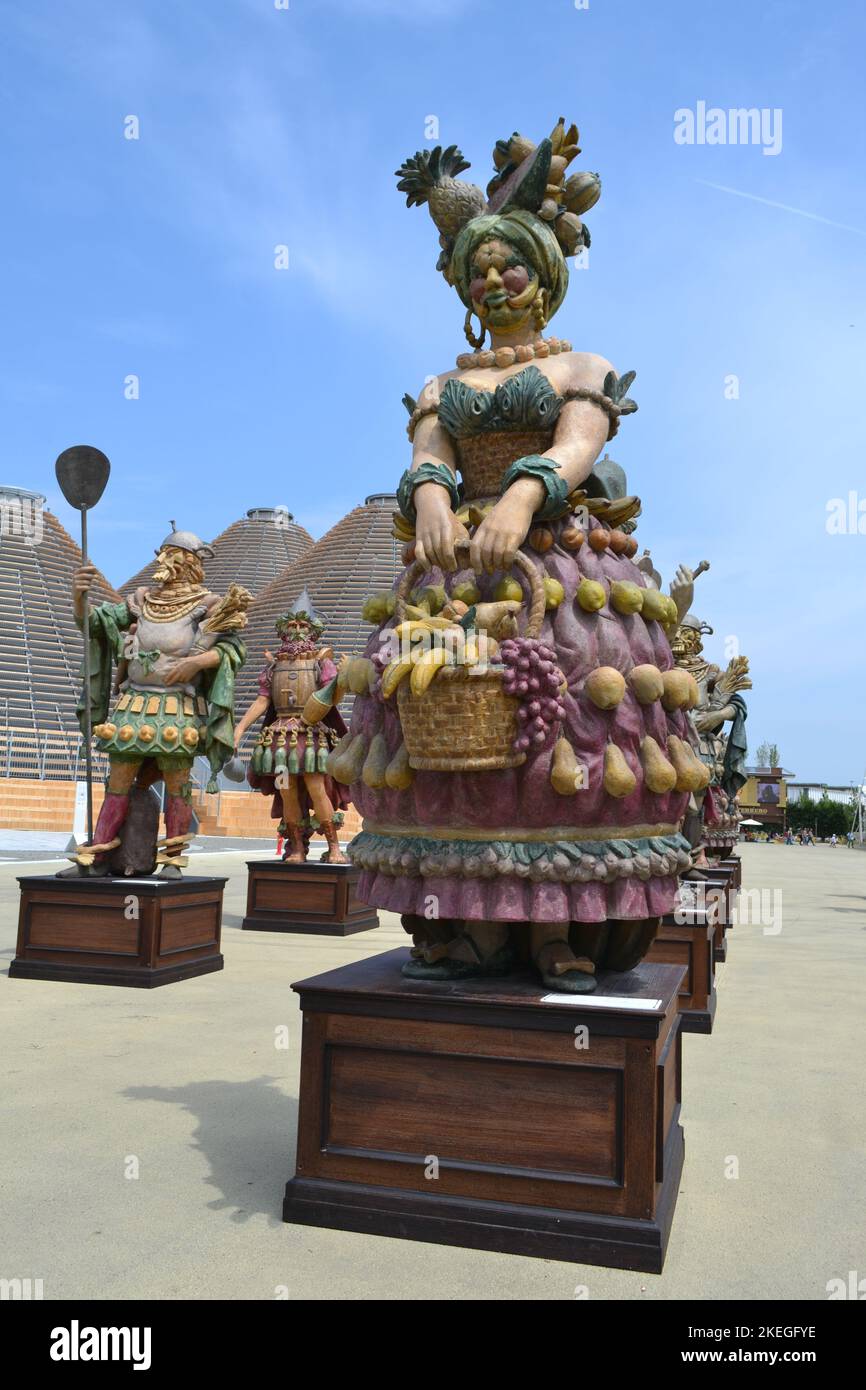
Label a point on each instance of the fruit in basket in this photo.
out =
(508, 588)
(393, 674)
(427, 667)
(467, 592)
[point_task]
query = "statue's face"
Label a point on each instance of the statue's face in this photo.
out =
(503, 287)
(686, 642)
(174, 564)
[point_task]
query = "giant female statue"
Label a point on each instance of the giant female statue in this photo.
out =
(524, 795)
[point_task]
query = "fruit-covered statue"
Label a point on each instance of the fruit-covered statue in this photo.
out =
(299, 690)
(176, 649)
(520, 748)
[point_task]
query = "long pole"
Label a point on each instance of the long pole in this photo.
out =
(88, 732)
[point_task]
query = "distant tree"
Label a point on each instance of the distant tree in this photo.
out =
(768, 755)
(801, 814)
(831, 817)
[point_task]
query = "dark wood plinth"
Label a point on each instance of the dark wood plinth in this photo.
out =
(139, 932)
(688, 937)
(313, 897)
(733, 861)
(539, 1146)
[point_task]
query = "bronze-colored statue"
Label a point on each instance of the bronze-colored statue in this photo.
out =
(713, 814)
(520, 747)
(176, 648)
(298, 693)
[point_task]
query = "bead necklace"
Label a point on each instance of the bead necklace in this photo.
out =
(507, 356)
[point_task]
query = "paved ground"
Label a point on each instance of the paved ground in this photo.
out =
(22, 846)
(188, 1081)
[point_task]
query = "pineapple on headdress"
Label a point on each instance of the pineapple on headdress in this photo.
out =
(528, 176)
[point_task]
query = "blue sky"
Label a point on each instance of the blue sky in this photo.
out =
(261, 126)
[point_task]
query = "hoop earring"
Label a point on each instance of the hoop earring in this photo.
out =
(477, 343)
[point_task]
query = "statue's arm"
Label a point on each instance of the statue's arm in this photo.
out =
(436, 527)
(257, 709)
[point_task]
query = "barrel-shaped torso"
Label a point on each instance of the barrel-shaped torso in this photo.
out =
(294, 681)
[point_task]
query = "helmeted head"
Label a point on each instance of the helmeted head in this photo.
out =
(179, 558)
(686, 640)
(300, 625)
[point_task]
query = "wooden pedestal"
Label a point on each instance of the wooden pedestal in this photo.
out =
(474, 1114)
(312, 897)
(688, 938)
(733, 861)
(140, 932)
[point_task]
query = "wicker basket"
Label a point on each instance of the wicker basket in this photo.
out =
(464, 722)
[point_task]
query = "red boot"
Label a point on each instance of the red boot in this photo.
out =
(112, 814)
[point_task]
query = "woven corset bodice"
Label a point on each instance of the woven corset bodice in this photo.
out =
(491, 429)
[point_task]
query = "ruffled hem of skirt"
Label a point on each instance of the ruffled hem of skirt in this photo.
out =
(500, 880)
(515, 900)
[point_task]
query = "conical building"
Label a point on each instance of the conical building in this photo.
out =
(40, 645)
(251, 552)
(354, 559)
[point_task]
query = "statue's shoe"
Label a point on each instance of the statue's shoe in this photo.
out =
(447, 968)
(170, 871)
(84, 871)
(571, 982)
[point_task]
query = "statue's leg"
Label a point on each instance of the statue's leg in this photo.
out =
(295, 851)
(628, 943)
(560, 968)
(480, 948)
(112, 814)
(178, 815)
(322, 805)
(427, 931)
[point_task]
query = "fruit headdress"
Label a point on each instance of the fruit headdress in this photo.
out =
(529, 202)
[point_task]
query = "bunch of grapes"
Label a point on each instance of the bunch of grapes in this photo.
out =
(531, 673)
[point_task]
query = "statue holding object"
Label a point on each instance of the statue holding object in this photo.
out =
(713, 817)
(176, 648)
(521, 752)
(299, 690)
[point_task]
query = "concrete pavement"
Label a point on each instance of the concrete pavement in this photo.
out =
(188, 1087)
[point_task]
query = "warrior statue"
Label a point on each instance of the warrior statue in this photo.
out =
(298, 693)
(176, 649)
(520, 747)
(713, 816)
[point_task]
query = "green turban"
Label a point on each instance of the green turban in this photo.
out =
(529, 235)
